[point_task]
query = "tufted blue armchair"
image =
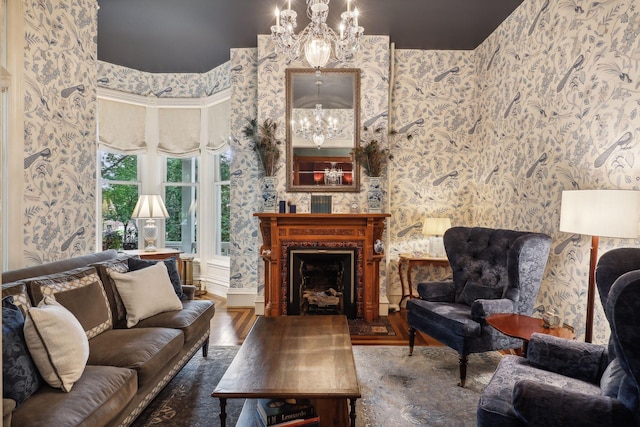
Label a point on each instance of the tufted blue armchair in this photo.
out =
(569, 383)
(494, 271)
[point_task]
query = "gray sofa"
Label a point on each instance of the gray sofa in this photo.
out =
(127, 367)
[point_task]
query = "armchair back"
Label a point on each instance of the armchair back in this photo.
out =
(495, 263)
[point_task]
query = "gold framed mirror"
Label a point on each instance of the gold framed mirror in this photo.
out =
(323, 123)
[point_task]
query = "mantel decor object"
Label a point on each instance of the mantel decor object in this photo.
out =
(374, 195)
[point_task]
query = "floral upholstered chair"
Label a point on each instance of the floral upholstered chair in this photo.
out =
(494, 271)
(568, 383)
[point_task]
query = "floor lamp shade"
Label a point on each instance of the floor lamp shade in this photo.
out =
(599, 213)
(150, 207)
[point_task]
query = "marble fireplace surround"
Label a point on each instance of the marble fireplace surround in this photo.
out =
(282, 232)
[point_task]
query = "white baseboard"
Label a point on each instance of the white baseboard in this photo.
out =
(260, 305)
(241, 297)
(383, 308)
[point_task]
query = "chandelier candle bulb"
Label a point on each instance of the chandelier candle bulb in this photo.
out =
(348, 5)
(278, 17)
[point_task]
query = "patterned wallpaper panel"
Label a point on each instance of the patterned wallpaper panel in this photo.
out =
(169, 85)
(60, 122)
(559, 97)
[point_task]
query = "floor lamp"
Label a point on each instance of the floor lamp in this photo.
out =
(599, 213)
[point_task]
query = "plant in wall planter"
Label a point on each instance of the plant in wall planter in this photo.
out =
(374, 154)
(266, 145)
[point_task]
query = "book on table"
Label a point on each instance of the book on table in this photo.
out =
(276, 412)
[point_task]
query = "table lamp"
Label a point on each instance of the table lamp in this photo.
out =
(599, 213)
(435, 228)
(150, 207)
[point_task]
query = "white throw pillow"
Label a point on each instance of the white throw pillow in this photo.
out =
(57, 343)
(146, 292)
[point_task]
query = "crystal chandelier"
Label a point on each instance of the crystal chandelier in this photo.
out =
(317, 38)
(333, 175)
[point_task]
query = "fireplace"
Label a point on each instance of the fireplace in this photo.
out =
(352, 234)
(321, 281)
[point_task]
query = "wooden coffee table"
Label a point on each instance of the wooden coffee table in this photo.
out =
(522, 326)
(295, 357)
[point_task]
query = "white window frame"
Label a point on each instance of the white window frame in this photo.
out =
(194, 184)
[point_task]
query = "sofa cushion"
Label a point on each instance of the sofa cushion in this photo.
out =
(20, 295)
(97, 397)
(105, 268)
(57, 342)
(194, 319)
(454, 318)
(146, 292)
(81, 292)
(172, 268)
(146, 350)
(20, 377)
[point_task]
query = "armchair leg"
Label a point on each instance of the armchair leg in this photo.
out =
(463, 369)
(412, 339)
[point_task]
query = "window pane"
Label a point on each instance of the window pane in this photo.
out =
(118, 230)
(118, 167)
(182, 170)
(181, 224)
(225, 215)
(225, 166)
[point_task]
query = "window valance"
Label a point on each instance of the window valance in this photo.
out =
(179, 131)
(219, 125)
(121, 126)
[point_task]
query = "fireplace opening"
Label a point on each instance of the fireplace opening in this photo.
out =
(321, 281)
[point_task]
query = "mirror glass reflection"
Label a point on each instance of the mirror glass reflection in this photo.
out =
(323, 122)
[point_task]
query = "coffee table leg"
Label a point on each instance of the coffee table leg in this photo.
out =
(223, 412)
(352, 414)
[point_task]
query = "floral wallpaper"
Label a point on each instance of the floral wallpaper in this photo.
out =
(558, 93)
(163, 85)
(60, 132)
(246, 266)
(549, 102)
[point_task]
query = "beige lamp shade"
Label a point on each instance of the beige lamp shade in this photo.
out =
(603, 213)
(435, 226)
(150, 206)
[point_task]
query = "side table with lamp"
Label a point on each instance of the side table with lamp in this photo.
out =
(434, 228)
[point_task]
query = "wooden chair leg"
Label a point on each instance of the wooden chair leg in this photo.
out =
(463, 369)
(412, 339)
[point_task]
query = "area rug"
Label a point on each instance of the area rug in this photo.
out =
(397, 389)
(380, 327)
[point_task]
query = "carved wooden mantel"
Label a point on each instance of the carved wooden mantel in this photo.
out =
(358, 231)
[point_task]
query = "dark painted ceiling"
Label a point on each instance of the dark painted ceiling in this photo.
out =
(184, 36)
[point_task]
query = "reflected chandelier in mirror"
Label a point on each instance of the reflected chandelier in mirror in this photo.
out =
(323, 119)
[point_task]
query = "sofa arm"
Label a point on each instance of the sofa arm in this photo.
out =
(481, 308)
(575, 359)
(8, 405)
(189, 292)
(539, 404)
(443, 291)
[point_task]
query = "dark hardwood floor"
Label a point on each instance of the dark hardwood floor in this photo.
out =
(231, 325)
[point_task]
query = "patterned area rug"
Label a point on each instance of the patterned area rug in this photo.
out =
(397, 390)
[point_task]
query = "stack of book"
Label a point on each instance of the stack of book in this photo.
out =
(286, 412)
